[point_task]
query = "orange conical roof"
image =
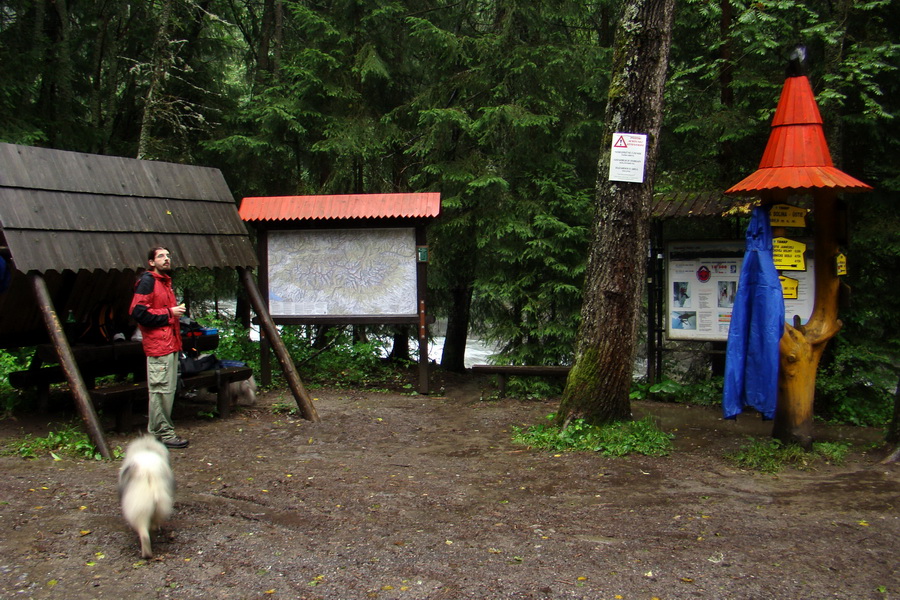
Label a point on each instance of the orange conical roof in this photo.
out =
(797, 156)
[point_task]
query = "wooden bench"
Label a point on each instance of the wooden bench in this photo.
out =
(504, 371)
(94, 360)
(125, 394)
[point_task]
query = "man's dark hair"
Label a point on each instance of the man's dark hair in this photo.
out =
(152, 253)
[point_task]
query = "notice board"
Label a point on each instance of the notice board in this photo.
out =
(701, 284)
(342, 272)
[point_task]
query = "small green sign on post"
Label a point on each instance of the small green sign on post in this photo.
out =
(422, 254)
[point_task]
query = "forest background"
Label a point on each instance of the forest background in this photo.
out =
(496, 104)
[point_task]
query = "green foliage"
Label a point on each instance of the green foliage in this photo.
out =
(497, 105)
(234, 341)
(68, 441)
(534, 387)
(11, 360)
(856, 385)
(615, 439)
(340, 361)
(703, 393)
(772, 456)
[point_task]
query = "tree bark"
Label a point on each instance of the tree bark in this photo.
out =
(893, 432)
(453, 356)
(599, 383)
(400, 348)
(160, 64)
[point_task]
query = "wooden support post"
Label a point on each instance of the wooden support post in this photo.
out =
(70, 367)
(304, 402)
(801, 346)
(423, 349)
(421, 291)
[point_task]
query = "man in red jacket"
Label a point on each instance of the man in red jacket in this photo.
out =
(157, 316)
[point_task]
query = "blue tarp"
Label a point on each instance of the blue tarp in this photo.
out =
(757, 324)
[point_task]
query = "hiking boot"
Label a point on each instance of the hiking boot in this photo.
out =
(175, 442)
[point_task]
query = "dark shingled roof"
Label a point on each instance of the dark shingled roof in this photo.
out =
(67, 210)
(698, 204)
(86, 221)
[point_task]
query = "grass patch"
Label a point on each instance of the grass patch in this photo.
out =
(69, 442)
(615, 439)
(772, 456)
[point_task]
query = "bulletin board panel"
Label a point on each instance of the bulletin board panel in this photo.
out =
(701, 283)
(342, 272)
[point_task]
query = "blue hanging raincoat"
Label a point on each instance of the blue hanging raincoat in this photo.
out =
(757, 324)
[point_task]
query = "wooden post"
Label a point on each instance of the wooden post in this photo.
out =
(423, 349)
(801, 346)
(421, 291)
(69, 366)
(304, 402)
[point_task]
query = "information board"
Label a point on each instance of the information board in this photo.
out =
(352, 272)
(701, 283)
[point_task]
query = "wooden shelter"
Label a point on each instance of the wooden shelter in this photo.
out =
(797, 161)
(75, 227)
(351, 259)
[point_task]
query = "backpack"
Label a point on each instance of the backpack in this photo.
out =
(191, 365)
(99, 326)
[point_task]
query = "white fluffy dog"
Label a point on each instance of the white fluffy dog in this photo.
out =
(237, 393)
(242, 393)
(146, 488)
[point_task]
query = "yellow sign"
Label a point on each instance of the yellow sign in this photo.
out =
(840, 265)
(785, 215)
(789, 254)
(789, 287)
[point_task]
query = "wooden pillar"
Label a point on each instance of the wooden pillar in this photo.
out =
(69, 366)
(421, 288)
(801, 346)
(304, 402)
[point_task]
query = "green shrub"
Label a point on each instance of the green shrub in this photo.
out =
(615, 439)
(772, 456)
(702, 393)
(12, 360)
(343, 361)
(855, 386)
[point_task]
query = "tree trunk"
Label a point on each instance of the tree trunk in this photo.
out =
(158, 68)
(400, 348)
(600, 380)
(893, 432)
(802, 346)
(453, 357)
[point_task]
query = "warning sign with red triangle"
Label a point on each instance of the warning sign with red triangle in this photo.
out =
(626, 161)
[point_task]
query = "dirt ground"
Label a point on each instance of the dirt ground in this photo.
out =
(425, 497)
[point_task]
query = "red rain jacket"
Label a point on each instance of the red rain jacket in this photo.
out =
(151, 307)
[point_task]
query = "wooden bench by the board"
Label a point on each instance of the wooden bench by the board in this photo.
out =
(94, 361)
(504, 371)
(126, 393)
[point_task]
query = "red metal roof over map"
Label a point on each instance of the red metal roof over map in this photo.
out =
(347, 206)
(797, 156)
